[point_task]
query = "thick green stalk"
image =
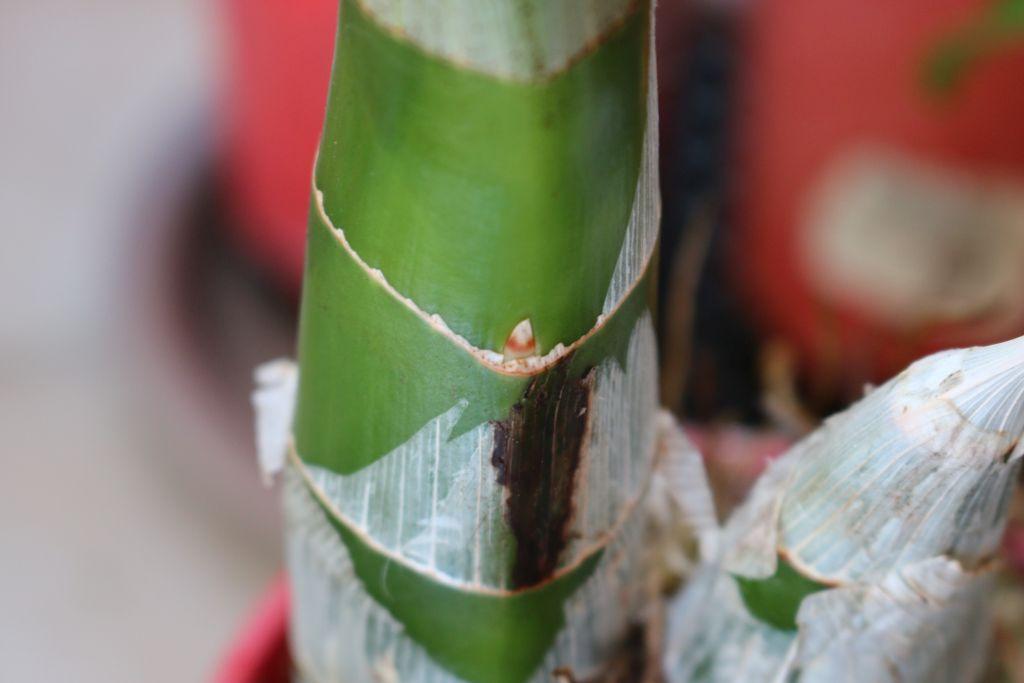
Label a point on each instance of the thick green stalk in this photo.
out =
(474, 429)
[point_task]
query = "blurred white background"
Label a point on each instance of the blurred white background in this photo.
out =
(112, 567)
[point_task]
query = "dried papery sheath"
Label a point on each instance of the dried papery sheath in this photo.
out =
(274, 404)
(865, 552)
(682, 522)
(475, 417)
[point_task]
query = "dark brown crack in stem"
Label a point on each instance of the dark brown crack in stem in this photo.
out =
(537, 452)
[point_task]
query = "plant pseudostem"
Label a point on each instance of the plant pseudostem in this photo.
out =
(474, 427)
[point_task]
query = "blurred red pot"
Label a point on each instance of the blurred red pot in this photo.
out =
(734, 457)
(279, 62)
(259, 653)
(876, 221)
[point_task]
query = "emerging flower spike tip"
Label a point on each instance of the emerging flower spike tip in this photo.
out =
(521, 342)
(865, 551)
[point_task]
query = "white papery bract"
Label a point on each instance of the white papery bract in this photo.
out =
(519, 41)
(897, 507)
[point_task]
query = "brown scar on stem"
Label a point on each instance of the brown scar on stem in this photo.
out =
(629, 663)
(952, 380)
(537, 453)
(564, 674)
(1005, 457)
(981, 566)
(800, 568)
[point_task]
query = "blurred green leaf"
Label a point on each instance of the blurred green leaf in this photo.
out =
(1000, 26)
